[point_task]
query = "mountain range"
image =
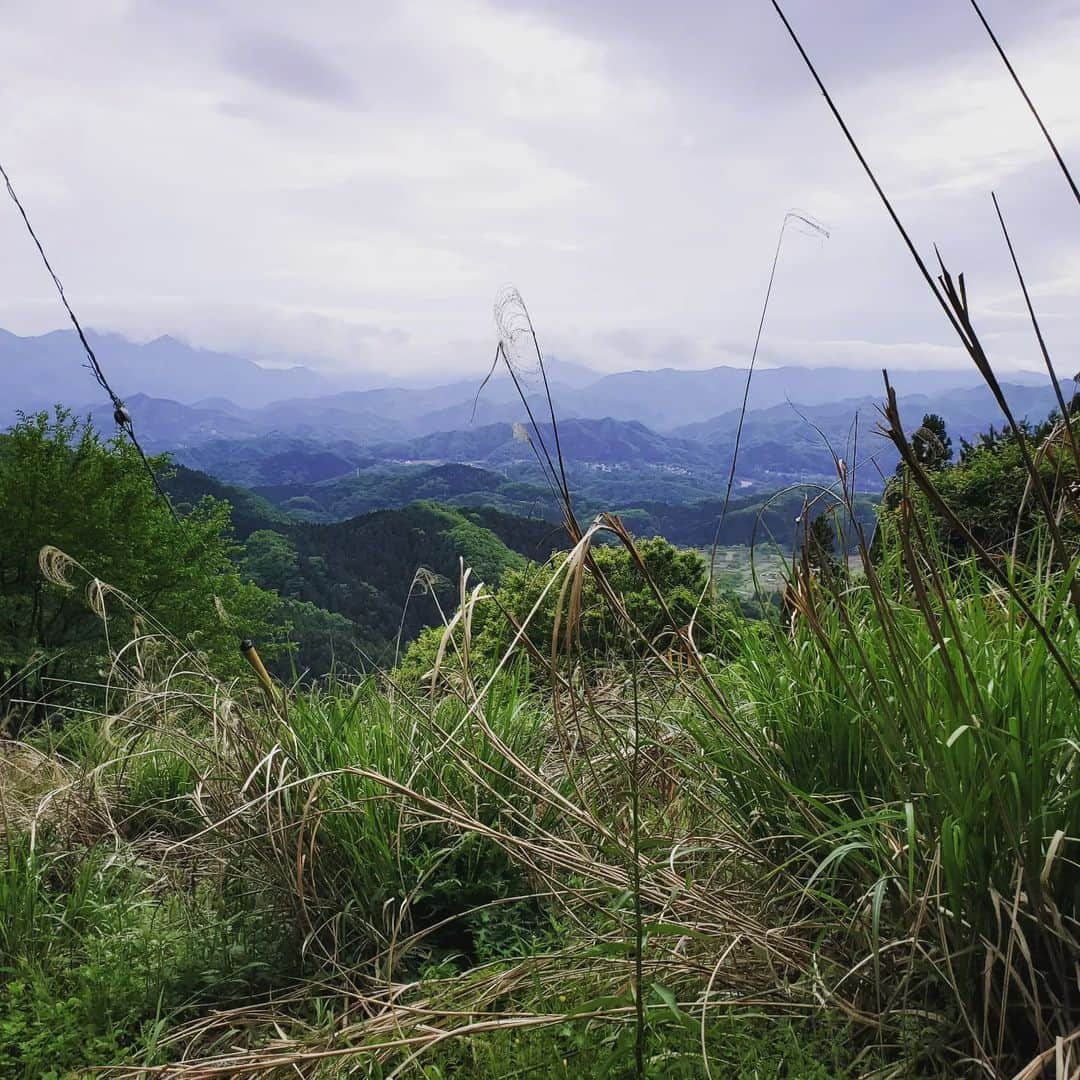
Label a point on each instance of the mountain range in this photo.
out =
(39, 371)
(784, 443)
(627, 438)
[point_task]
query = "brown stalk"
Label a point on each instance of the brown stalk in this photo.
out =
(952, 298)
(1067, 420)
(895, 432)
(1030, 104)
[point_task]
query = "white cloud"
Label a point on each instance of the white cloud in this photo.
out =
(965, 127)
(352, 182)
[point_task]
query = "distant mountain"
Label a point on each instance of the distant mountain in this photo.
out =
(396, 413)
(627, 439)
(40, 371)
(610, 462)
(775, 437)
(273, 459)
(231, 445)
(359, 417)
(162, 424)
(594, 442)
(37, 372)
(610, 442)
(670, 399)
(567, 373)
(392, 423)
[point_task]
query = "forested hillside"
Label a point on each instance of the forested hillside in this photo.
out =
(233, 565)
(391, 572)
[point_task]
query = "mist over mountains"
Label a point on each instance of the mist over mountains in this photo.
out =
(39, 371)
(287, 428)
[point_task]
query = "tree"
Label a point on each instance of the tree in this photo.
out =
(821, 543)
(989, 490)
(679, 575)
(932, 447)
(62, 485)
(319, 642)
(271, 561)
(931, 443)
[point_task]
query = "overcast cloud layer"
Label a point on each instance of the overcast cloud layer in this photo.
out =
(349, 184)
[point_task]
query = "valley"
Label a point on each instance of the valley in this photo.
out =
(339, 499)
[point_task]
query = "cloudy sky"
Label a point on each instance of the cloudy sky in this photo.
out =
(349, 183)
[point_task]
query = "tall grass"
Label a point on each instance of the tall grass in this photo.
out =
(866, 812)
(926, 739)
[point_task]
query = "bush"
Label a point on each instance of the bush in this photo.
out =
(601, 635)
(62, 485)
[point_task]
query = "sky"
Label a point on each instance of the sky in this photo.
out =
(348, 184)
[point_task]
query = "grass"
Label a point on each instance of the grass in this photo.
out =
(849, 832)
(97, 955)
(927, 747)
(840, 844)
(740, 1046)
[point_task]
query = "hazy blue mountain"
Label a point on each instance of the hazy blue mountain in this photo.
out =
(408, 412)
(272, 459)
(597, 442)
(570, 374)
(669, 399)
(612, 462)
(660, 435)
(41, 371)
(365, 418)
(162, 424)
(469, 444)
(799, 429)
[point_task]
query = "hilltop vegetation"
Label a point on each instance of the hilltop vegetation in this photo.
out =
(236, 566)
(62, 486)
(522, 816)
(590, 818)
(512, 801)
(365, 568)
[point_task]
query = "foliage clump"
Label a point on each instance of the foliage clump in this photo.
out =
(528, 600)
(63, 485)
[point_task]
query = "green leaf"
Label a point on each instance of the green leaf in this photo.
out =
(601, 1004)
(667, 996)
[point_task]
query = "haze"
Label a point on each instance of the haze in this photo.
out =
(348, 184)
